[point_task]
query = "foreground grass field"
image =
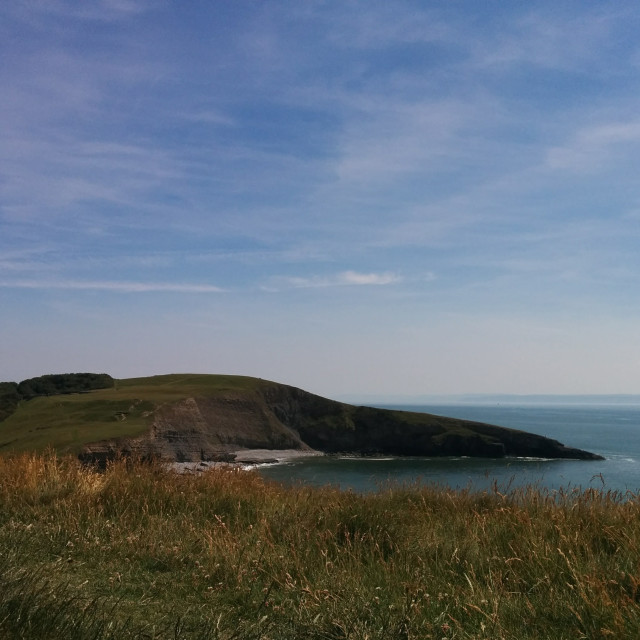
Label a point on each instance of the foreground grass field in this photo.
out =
(139, 552)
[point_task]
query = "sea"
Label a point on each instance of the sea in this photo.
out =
(609, 429)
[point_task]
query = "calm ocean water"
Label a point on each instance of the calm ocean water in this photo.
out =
(613, 431)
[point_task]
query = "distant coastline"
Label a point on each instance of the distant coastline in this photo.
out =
(491, 399)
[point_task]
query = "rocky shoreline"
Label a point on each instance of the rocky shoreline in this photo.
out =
(246, 458)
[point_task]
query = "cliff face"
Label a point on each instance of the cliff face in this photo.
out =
(272, 416)
(204, 428)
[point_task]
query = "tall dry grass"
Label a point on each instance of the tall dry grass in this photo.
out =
(140, 552)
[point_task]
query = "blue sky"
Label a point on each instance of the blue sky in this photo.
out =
(351, 197)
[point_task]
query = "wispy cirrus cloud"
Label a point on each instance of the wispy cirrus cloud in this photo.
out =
(383, 25)
(549, 40)
(593, 147)
(394, 139)
(114, 287)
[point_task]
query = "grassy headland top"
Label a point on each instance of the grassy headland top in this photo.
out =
(207, 417)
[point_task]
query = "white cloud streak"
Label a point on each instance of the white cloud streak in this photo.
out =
(114, 287)
(99, 10)
(343, 279)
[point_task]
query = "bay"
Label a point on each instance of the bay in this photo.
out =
(612, 430)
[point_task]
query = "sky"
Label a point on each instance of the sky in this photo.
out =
(353, 197)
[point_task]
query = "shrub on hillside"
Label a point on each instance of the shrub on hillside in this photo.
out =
(9, 399)
(57, 384)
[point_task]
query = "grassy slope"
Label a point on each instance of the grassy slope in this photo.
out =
(138, 552)
(66, 422)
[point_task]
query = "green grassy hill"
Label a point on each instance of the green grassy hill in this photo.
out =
(67, 422)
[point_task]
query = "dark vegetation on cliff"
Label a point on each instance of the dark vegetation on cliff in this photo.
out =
(59, 384)
(11, 393)
(9, 399)
(208, 417)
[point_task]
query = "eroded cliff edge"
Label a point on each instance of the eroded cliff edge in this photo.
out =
(274, 416)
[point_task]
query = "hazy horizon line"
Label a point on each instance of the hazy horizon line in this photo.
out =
(492, 398)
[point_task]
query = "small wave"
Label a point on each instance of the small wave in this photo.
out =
(621, 458)
(366, 458)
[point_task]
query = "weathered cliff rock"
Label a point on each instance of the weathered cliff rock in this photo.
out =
(203, 428)
(273, 416)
